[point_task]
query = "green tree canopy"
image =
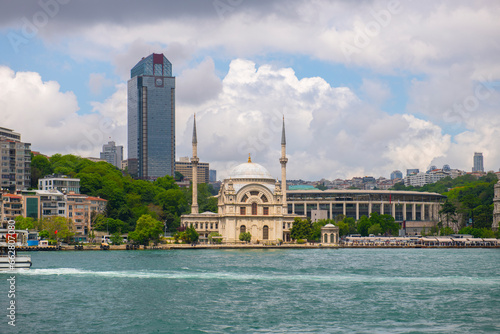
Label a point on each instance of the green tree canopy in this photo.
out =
(147, 229)
(59, 224)
(245, 236)
(301, 229)
(24, 223)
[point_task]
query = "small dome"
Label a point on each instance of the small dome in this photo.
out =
(329, 225)
(250, 170)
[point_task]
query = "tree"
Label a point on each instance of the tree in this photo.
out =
(116, 238)
(179, 176)
(375, 229)
(483, 216)
(40, 167)
(387, 223)
(363, 225)
(316, 228)
(301, 229)
(147, 229)
(446, 231)
(24, 223)
(190, 235)
(59, 224)
(44, 234)
(245, 236)
(216, 240)
(321, 186)
(448, 209)
(110, 225)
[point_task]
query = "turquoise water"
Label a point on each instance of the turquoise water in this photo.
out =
(258, 291)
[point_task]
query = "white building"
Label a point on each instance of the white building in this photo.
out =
(421, 179)
(62, 183)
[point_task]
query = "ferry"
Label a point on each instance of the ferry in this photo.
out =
(9, 259)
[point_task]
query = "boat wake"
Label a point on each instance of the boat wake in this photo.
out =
(232, 276)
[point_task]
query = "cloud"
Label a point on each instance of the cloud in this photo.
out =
(98, 81)
(199, 84)
(330, 132)
(48, 118)
(375, 91)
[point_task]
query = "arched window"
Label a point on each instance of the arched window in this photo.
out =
(264, 198)
(244, 198)
(243, 229)
(265, 232)
(326, 238)
(254, 209)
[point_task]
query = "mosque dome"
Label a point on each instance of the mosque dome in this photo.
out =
(250, 170)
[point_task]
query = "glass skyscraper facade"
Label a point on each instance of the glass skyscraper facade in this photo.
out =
(151, 118)
(478, 162)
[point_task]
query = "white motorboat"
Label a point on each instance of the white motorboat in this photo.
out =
(10, 240)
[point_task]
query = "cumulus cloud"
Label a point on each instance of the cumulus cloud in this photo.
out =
(375, 91)
(199, 84)
(98, 81)
(330, 132)
(48, 117)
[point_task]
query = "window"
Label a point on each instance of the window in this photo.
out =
(243, 229)
(254, 193)
(264, 199)
(266, 211)
(254, 209)
(244, 198)
(243, 211)
(265, 232)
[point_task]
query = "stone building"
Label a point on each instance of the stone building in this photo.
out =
(250, 200)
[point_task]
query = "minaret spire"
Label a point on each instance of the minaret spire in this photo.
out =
(283, 137)
(194, 165)
(283, 161)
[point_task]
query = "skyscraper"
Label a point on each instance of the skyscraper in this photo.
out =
(112, 154)
(396, 175)
(151, 118)
(478, 162)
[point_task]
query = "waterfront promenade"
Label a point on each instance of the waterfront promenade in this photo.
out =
(259, 246)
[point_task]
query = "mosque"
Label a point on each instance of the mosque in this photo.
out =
(250, 200)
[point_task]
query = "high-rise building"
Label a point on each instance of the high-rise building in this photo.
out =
(396, 175)
(112, 154)
(185, 167)
(412, 171)
(212, 175)
(15, 157)
(478, 162)
(151, 118)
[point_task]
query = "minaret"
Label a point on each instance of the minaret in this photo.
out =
(194, 165)
(283, 161)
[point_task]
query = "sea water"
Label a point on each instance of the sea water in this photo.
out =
(257, 291)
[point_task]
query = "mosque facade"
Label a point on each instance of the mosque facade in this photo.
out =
(250, 200)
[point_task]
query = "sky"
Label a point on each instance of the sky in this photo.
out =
(365, 87)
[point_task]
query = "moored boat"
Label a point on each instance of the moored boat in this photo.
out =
(10, 241)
